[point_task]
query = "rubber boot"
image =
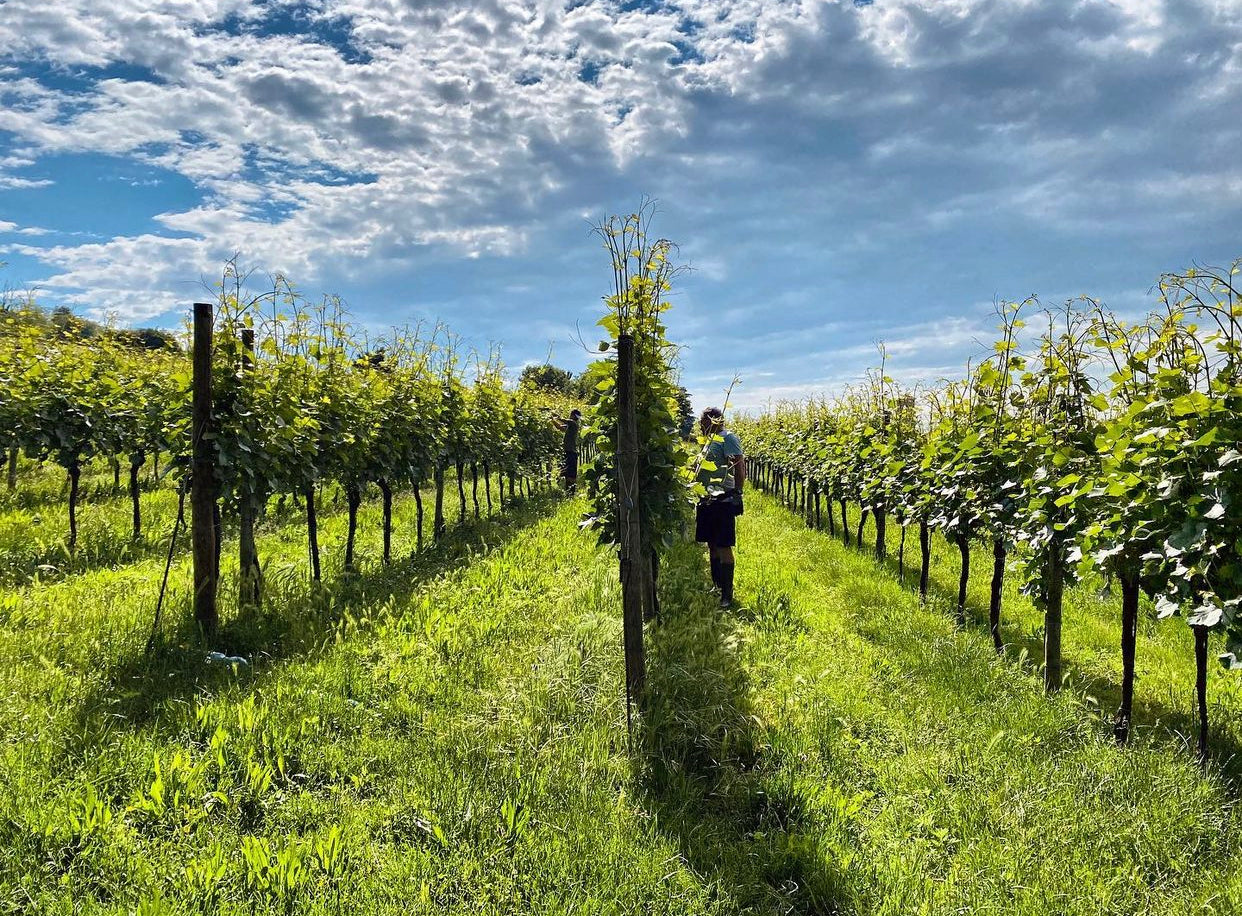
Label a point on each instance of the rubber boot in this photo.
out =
(726, 585)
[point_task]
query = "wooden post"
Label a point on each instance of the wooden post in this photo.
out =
(249, 572)
(312, 533)
(633, 558)
(1054, 589)
(1130, 583)
(12, 475)
(203, 489)
(1201, 648)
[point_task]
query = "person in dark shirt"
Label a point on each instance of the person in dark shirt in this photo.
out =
(715, 522)
(571, 427)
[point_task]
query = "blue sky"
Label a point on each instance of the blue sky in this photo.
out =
(836, 173)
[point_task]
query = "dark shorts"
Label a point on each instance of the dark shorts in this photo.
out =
(715, 524)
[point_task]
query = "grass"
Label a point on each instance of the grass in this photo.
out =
(933, 776)
(447, 735)
(1164, 697)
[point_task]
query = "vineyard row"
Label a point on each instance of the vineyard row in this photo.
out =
(1089, 444)
(301, 398)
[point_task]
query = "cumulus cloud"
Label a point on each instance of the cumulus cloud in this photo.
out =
(10, 228)
(869, 167)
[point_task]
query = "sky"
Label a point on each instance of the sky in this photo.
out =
(836, 174)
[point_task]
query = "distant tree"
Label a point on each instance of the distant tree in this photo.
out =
(584, 387)
(147, 339)
(67, 324)
(548, 377)
(63, 319)
(685, 413)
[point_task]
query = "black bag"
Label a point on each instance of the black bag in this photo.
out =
(732, 499)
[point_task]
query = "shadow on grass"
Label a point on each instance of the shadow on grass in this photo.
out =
(51, 489)
(1025, 648)
(51, 561)
(706, 769)
(110, 546)
(34, 538)
(298, 618)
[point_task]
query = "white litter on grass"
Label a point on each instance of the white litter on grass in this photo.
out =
(219, 658)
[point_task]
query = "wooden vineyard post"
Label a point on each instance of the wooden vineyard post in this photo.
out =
(1130, 584)
(1054, 588)
(1201, 705)
(202, 490)
(634, 559)
(250, 573)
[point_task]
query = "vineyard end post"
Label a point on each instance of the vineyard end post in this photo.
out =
(629, 523)
(202, 490)
(250, 573)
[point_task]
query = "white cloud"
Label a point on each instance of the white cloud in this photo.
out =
(13, 182)
(847, 145)
(7, 226)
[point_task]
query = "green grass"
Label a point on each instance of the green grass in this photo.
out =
(1164, 690)
(447, 735)
(914, 771)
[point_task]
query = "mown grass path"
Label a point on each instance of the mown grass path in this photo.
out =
(447, 735)
(854, 752)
